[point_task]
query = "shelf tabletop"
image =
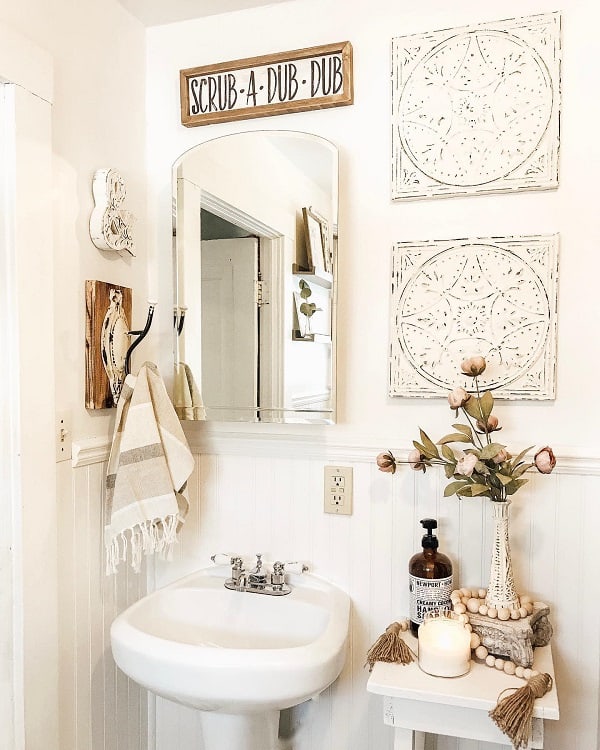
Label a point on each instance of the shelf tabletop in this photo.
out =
(480, 688)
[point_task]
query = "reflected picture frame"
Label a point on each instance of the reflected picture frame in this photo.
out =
(316, 231)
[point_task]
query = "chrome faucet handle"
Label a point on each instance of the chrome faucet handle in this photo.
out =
(278, 574)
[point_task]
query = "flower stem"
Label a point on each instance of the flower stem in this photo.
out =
(483, 419)
(472, 426)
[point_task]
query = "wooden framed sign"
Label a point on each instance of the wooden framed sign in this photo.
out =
(296, 81)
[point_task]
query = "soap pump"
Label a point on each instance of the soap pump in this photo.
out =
(430, 578)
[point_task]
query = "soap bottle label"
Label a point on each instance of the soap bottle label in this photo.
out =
(428, 594)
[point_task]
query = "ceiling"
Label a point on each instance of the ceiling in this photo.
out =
(158, 12)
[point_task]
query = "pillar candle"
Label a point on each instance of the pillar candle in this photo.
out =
(444, 647)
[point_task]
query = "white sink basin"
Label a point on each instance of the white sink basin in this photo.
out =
(197, 643)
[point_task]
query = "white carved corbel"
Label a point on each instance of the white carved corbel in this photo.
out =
(110, 224)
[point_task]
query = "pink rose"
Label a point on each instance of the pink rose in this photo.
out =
(458, 398)
(473, 366)
(386, 462)
(466, 464)
(415, 459)
(544, 460)
(490, 426)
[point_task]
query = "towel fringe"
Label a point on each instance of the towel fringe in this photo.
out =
(158, 535)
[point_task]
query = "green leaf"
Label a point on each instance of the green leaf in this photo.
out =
(511, 488)
(448, 454)
(465, 491)
(473, 408)
(305, 290)
(481, 468)
(448, 470)
(465, 429)
(487, 404)
(454, 487)
(520, 470)
(521, 456)
(491, 450)
(430, 446)
(479, 489)
(423, 451)
(503, 478)
(454, 437)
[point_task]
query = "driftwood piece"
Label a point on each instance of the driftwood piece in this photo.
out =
(514, 639)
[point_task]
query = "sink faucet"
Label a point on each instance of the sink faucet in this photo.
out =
(258, 580)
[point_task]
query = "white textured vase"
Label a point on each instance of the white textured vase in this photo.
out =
(501, 589)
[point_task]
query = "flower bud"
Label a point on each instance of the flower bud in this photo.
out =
(473, 366)
(386, 462)
(544, 460)
(501, 457)
(466, 464)
(415, 459)
(490, 426)
(458, 398)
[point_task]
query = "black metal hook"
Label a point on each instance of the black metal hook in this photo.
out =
(179, 318)
(141, 335)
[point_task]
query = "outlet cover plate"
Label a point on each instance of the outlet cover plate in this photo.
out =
(337, 494)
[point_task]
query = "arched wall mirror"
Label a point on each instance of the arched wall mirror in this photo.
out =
(255, 242)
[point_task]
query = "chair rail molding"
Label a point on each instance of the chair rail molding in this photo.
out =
(569, 459)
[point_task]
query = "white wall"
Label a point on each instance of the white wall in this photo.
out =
(277, 494)
(93, 55)
(370, 223)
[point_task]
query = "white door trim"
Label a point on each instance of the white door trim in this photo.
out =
(26, 75)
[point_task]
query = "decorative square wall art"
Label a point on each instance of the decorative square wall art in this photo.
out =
(476, 109)
(492, 296)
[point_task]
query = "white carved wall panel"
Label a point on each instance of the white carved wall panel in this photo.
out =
(492, 296)
(476, 109)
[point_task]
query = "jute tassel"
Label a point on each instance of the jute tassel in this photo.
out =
(513, 714)
(390, 647)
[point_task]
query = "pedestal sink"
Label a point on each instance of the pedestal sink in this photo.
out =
(238, 657)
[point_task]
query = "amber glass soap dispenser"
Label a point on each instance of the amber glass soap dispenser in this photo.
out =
(430, 575)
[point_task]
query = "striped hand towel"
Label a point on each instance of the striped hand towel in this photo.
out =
(186, 394)
(148, 468)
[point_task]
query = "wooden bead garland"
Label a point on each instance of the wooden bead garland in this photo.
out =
(465, 601)
(473, 600)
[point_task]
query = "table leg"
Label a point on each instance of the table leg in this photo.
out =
(406, 739)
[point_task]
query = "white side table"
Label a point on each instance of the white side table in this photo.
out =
(416, 703)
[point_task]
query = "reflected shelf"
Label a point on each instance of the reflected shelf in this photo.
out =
(321, 278)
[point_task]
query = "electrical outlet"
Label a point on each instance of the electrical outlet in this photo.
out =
(64, 440)
(338, 490)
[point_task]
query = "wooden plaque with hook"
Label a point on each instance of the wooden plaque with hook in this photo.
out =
(108, 316)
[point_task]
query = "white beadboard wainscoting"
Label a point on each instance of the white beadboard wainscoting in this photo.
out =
(252, 495)
(100, 708)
